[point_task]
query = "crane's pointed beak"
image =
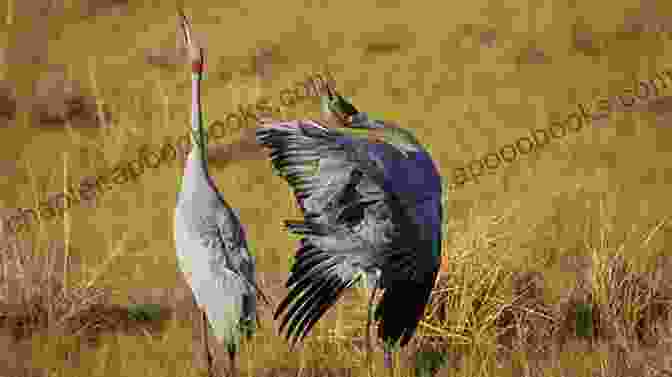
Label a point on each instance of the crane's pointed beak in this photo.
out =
(333, 104)
(194, 51)
(330, 93)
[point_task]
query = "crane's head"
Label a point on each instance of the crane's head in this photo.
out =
(195, 52)
(359, 123)
(345, 112)
(335, 105)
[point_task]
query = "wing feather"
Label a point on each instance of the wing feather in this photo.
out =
(229, 237)
(350, 223)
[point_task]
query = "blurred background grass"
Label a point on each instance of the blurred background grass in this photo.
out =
(467, 78)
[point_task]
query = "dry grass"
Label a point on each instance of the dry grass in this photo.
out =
(554, 265)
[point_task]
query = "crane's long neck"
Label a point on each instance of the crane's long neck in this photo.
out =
(197, 181)
(199, 140)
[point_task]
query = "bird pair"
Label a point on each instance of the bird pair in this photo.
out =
(371, 201)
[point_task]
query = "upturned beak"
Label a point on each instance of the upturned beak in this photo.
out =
(194, 51)
(333, 95)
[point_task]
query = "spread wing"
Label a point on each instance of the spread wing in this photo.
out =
(351, 224)
(319, 164)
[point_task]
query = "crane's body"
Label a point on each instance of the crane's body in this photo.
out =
(371, 200)
(212, 249)
(213, 254)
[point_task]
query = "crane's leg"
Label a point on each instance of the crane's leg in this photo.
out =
(232, 360)
(387, 359)
(208, 353)
(369, 348)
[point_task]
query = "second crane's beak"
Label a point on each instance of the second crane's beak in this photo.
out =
(194, 51)
(335, 105)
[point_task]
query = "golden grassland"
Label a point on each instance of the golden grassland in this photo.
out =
(153, 156)
(582, 223)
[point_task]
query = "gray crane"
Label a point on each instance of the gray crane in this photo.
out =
(372, 209)
(212, 249)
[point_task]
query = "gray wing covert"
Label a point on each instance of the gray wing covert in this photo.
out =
(212, 251)
(237, 254)
(298, 157)
(318, 163)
